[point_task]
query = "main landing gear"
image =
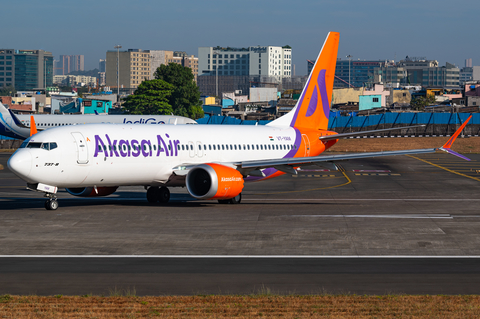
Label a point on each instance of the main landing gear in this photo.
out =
(158, 194)
(51, 203)
(236, 200)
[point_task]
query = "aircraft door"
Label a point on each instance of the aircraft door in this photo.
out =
(200, 150)
(82, 150)
(306, 142)
(191, 148)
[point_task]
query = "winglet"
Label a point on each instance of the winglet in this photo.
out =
(446, 146)
(33, 126)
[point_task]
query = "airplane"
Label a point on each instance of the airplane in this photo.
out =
(18, 126)
(213, 161)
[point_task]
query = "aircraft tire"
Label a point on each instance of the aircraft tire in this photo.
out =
(153, 194)
(236, 200)
(163, 195)
(51, 204)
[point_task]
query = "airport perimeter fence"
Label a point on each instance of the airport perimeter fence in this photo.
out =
(435, 124)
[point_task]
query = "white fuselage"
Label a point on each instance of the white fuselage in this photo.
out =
(116, 155)
(18, 126)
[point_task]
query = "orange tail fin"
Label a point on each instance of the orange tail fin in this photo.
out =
(33, 126)
(313, 107)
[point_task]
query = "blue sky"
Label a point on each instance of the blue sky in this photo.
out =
(440, 30)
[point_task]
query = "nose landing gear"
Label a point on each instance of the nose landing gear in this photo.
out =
(51, 203)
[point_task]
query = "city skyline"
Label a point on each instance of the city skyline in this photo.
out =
(368, 31)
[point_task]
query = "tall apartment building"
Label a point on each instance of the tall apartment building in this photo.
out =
(260, 60)
(101, 65)
(26, 69)
(133, 68)
(70, 63)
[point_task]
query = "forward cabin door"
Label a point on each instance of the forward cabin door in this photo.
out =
(82, 151)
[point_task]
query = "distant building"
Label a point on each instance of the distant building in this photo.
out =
(159, 57)
(358, 73)
(469, 74)
(256, 61)
(133, 67)
(69, 63)
(26, 69)
(468, 63)
(101, 65)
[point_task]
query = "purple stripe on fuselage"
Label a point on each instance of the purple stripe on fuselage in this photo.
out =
(270, 171)
(322, 85)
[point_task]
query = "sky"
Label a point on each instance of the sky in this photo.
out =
(440, 30)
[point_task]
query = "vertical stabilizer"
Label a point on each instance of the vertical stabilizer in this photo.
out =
(313, 107)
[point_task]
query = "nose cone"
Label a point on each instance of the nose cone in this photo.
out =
(20, 163)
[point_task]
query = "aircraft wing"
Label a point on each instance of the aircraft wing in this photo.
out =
(297, 161)
(286, 164)
(351, 134)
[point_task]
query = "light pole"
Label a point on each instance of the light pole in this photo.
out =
(118, 47)
(349, 62)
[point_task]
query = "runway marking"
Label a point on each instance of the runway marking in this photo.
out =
(246, 256)
(444, 168)
(341, 170)
(376, 174)
(397, 216)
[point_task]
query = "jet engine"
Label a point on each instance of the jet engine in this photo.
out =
(91, 191)
(214, 181)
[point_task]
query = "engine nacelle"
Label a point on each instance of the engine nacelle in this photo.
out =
(90, 191)
(214, 181)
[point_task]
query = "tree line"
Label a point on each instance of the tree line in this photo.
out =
(173, 91)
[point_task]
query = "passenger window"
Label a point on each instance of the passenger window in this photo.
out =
(209, 147)
(191, 147)
(235, 147)
(178, 147)
(169, 148)
(200, 147)
(214, 147)
(183, 147)
(223, 147)
(248, 147)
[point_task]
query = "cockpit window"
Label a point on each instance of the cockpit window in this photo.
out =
(24, 144)
(46, 145)
(34, 145)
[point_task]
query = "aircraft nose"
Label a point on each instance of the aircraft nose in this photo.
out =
(20, 163)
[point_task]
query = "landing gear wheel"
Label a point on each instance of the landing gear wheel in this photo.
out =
(51, 204)
(236, 200)
(163, 195)
(153, 193)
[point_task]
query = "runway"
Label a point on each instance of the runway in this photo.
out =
(237, 275)
(424, 207)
